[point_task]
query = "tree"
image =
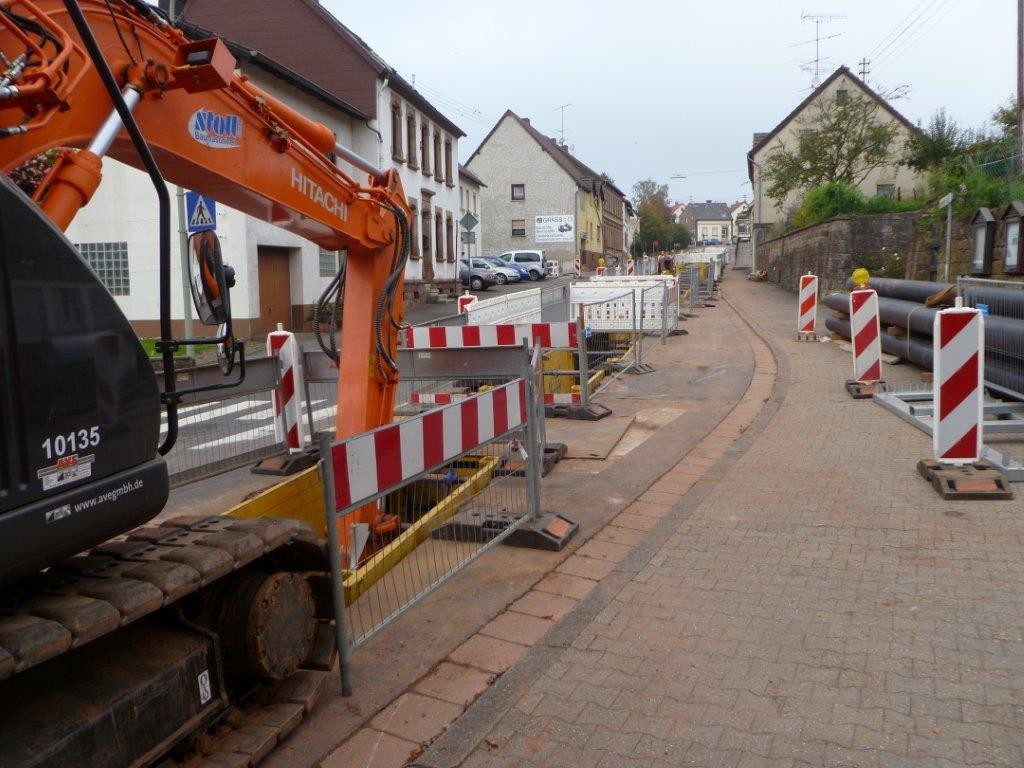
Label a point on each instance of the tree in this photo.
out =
(647, 190)
(839, 140)
(937, 142)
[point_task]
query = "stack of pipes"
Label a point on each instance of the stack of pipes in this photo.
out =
(911, 305)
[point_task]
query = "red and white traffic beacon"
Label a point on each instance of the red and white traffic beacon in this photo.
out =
(958, 394)
(807, 308)
(865, 338)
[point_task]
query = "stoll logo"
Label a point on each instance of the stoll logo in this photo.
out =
(217, 131)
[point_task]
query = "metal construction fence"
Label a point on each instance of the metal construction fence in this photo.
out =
(223, 430)
(1002, 302)
(410, 504)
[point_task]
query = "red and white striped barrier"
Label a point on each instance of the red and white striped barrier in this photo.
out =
(578, 267)
(866, 336)
(550, 335)
(465, 302)
(444, 398)
(807, 307)
(371, 464)
(630, 267)
(958, 345)
(600, 271)
(289, 427)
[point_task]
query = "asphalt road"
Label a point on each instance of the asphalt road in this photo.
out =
(429, 313)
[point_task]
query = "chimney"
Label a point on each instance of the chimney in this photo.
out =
(709, 202)
(526, 120)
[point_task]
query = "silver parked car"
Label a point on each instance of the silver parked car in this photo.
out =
(502, 274)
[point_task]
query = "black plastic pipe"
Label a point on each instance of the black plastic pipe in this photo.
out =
(918, 350)
(910, 290)
(1002, 334)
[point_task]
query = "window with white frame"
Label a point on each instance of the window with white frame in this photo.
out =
(328, 263)
(110, 263)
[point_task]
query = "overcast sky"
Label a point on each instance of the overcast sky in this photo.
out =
(660, 88)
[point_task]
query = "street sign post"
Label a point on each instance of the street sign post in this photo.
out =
(200, 212)
(947, 203)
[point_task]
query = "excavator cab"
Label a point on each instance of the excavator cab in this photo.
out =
(79, 404)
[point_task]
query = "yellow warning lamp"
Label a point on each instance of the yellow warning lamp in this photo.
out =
(861, 277)
(600, 261)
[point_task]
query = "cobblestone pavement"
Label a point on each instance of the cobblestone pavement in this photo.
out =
(805, 599)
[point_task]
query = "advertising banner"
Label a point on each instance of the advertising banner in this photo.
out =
(555, 229)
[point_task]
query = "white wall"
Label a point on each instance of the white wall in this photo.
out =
(125, 209)
(445, 197)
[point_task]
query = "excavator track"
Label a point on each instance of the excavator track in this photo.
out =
(250, 731)
(89, 596)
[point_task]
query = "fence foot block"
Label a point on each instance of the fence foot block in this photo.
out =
(551, 532)
(592, 412)
(640, 368)
(865, 390)
(287, 463)
(977, 481)
(807, 336)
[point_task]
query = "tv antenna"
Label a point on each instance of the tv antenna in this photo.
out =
(818, 19)
(562, 130)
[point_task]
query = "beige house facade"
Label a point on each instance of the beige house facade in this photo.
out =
(892, 180)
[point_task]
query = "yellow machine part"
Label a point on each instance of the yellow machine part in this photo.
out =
(559, 360)
(301, 498)
(475, 477)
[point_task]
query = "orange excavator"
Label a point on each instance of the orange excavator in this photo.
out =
(119, 644)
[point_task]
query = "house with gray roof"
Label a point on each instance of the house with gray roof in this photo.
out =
(539, 196)
(708, 220)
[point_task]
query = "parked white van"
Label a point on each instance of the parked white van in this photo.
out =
(532, 260)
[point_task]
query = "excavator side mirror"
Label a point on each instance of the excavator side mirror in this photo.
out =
(209, 278)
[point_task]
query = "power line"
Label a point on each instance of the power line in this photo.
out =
(893, 31)
(911, 28)
(948, 5)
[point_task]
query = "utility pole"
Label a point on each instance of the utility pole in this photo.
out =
(1020, 82)
(864, 71)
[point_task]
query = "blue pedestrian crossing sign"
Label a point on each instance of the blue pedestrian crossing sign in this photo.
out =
(201, 212)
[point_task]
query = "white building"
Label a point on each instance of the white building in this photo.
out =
(279, 275)
(469, 202)
(403, 129)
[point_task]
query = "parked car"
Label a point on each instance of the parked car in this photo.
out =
(712, 241)
(497, 261)
(502, 274)
(532, 260)
(477, 278)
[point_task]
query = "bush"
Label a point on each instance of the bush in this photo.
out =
(837, 198)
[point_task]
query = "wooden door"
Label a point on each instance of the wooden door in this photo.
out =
(275, 289)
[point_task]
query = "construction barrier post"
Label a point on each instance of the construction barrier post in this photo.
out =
(866, 343)
(535, 445)
(807, 305)
(289, 427)
(630, 266)
(584, 363)
(341, 632)
(958, 344)
(664, 313)
(465, 301)
(578, 267)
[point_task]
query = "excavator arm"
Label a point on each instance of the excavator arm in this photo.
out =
(210, 129)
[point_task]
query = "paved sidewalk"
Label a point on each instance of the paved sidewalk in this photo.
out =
(804, 599)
